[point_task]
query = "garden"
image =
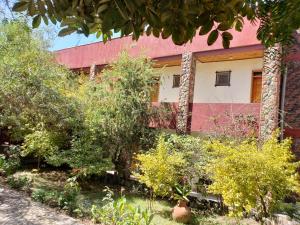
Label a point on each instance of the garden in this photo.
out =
(84, 147)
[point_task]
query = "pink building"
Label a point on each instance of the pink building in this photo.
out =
(202, 83)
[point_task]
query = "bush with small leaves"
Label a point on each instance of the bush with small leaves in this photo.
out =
(20, 182)
(251, 177)
(39, 195)
(160, 168)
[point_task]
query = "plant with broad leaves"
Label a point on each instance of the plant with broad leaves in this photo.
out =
(179, 19)
(119, 212)
(182, 193)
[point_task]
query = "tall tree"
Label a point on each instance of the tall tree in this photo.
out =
(179, 19)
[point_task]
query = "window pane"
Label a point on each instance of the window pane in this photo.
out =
(176, 81)
(223, 78)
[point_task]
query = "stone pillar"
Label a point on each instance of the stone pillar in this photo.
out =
(93, 71)
(271, 76)
(186, 92)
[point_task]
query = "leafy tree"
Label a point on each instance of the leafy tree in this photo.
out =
(40, 143)
(117, 111)
(34, 108)
(179, 19)
(126, 109)
(251, 177)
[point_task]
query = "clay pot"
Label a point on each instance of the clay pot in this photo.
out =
(181, 212)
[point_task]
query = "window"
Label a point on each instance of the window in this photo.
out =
(176, 80)
(256, 87)
(223, 78)
(155, 91)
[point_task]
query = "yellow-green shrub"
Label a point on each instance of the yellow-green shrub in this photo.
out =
(250, 177)
(160, 168)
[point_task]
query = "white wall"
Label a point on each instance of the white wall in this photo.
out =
(239, 90)
(166, 92)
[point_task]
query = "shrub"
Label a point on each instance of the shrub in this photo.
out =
(250, 177)
(126, 109)
(195, 154)
(20, 182)
(160, 168)
(39, 195)
(11, 163)
(119, 212)
(34, 103)
(68, 198)
(40, 143)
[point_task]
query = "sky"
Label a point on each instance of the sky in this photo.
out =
(56, 42)
(71, 41)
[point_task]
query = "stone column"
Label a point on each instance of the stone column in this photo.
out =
(93, 71)
(271, 76)
(186, 92)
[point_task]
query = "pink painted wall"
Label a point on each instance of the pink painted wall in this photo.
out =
(101, 54)
(203, 114)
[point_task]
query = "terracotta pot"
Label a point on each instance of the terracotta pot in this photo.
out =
(181, 212)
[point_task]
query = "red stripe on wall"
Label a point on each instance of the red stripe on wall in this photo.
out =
(204, 115)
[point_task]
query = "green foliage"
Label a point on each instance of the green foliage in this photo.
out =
(117, 113)
(290, 209)
(39, 195)
(252, 177)
(160, 168)
(119, 212)
(34, 106)
(40, 143)
(20, 182)
(195, 154)
(68, 198)
(179, 20)
(126, 108)
(182, 193)
(90, 126)
(11, 163)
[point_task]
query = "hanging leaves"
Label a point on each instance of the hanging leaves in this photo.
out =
(213, 36)
(36, 21)
(181, 22)
(20, 6)
(66, 31)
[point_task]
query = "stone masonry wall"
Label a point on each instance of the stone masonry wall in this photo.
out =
(271, 76)
(186, 92)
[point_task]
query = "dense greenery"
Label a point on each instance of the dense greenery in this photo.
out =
(92, 126)
(252, 177)
(33, 105)
(126, 109)
(64, 119)
(179, 19)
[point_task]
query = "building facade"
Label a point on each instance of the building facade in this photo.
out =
(208, 86)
